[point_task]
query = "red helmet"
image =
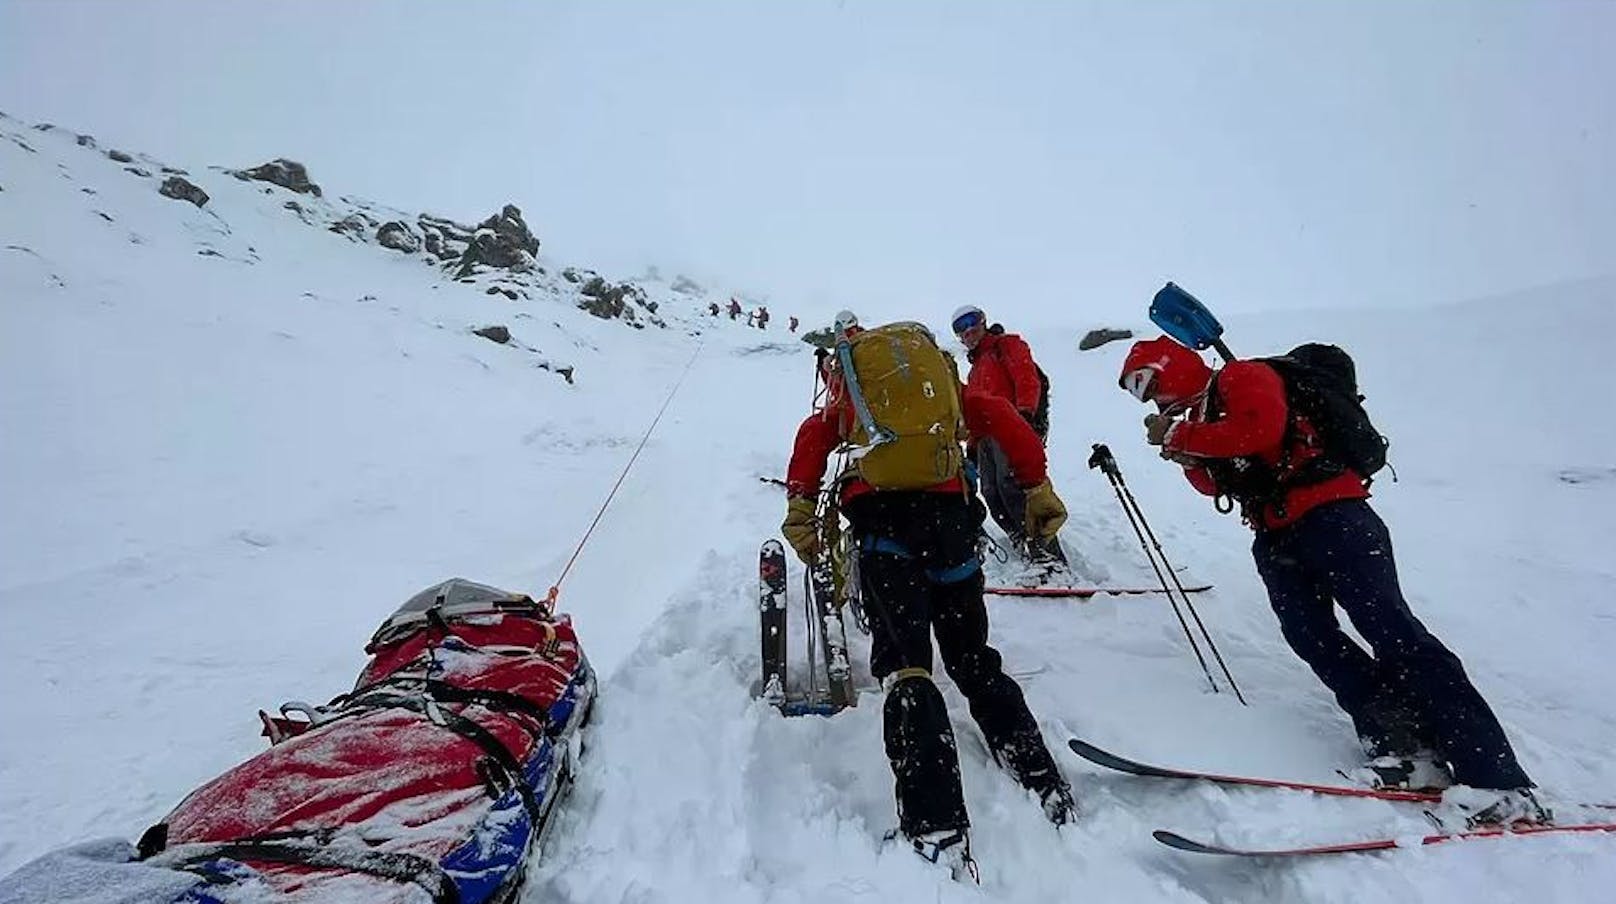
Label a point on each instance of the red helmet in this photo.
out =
(1163, 371)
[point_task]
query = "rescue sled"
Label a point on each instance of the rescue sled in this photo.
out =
(434, 779)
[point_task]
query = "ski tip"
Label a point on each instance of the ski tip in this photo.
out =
(1180, 843)
(1097, 756)
(1102, 757)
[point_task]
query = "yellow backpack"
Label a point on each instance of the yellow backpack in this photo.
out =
(905, 393)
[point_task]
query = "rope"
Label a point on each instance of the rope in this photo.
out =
(555, 589)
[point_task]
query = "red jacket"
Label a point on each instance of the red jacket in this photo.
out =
(1253, 422)
(985, 415)
(1002, 365)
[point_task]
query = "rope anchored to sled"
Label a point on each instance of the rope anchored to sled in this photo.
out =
(555, 589)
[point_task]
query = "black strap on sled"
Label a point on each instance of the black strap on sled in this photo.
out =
(496, 750)
(399, 867)
(443, 692)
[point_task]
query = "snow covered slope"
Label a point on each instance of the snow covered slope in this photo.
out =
(220, 471)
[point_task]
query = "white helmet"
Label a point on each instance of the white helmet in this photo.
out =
(966, 312)
(845, 320)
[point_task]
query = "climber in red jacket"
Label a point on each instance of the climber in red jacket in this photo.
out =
(1002, 365)
(920, 574)
(1320, 546)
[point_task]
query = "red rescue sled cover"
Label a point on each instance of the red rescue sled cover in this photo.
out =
(432, 780)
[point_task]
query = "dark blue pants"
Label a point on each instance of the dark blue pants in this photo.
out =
(1408, 690)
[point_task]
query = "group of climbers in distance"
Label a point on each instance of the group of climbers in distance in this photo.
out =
(937, 453)
(758, 318)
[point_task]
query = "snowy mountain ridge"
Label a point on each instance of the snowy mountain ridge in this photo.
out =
(498, 257)
(220, 471)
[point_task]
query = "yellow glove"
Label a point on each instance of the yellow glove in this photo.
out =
(801, 528)
(1045, 512)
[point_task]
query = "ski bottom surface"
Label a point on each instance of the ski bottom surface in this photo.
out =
(772, 621)
(1084, 592)
(1133, 767)
(1194, 846)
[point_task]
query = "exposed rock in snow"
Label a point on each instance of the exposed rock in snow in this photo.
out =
(181, 189)
(288, 174)
(397, 235)
(353, 226)
(441, 235)
(495, 333)
(503, 241)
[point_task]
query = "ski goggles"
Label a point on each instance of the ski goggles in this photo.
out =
(969, 320)
(1139, 383)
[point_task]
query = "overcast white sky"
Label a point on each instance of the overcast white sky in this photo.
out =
(903, 158)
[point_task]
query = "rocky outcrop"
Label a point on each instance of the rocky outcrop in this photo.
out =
(608, 301)
(398, 236)
(498, 256)
(354, 226)
(503, 240)
(288, 174)
(182, 190)
(443, 238)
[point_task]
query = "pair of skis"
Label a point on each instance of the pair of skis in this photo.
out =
(1183, 843)
(830, 674)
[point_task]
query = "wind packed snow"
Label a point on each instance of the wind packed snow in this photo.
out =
(232, 443)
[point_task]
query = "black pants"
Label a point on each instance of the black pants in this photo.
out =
(920, 575)
(1411, 691)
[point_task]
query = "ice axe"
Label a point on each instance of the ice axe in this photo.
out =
(1183, 317)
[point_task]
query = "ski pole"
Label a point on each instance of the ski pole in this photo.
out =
(1103, 460)
(1122, 486)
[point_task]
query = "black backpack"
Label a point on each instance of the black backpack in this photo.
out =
(1321, 385)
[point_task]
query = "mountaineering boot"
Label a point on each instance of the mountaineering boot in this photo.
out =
(1488, 807)
(1047, 549)
(1028, 761)
(1059, 807)
(1417, 772)
(950, 848)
